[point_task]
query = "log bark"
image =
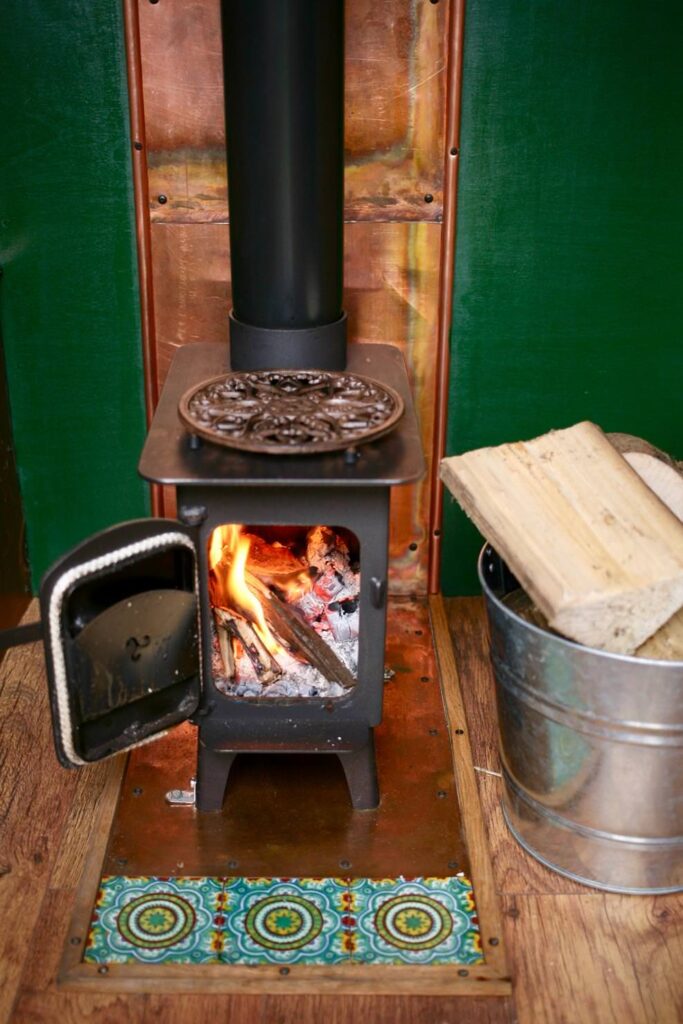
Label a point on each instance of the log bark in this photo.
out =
(224, 644)
(265, 666)
(303, 638)
(595, 549)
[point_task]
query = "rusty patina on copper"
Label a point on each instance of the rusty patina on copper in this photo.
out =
(291, 815)
(290, 412)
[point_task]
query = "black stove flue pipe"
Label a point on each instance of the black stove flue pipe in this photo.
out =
(284, 91)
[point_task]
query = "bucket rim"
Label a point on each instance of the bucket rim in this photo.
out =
(487, 551)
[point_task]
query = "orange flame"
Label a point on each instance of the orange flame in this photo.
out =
(228, 553)
(295, 587)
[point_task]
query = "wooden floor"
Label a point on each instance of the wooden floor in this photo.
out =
(576, 955)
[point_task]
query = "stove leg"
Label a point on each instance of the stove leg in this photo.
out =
(213, 769)
(360, 770)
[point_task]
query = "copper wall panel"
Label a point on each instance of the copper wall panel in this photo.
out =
(391, 275)
(396, 55)
(181, 69)
(456, 33)
(395, 88)
(191, 284)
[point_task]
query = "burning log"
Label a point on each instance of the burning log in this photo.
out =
(300, 637)
(296, 635)
(303, 638)
(272, 561)
(265, 665)
(224, 643)
(326, 550)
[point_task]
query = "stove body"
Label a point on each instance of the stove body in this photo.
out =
(349, 489)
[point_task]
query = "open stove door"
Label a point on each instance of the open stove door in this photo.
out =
(121, 634)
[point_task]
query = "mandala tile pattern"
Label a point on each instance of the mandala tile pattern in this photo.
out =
(285, 920)
(417, 921)
(156, 920)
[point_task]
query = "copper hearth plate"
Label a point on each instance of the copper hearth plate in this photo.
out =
(290, 814)
(290, 412)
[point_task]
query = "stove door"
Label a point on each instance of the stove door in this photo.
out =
(121, 631)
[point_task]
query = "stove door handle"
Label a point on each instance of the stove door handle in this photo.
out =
(26, 634)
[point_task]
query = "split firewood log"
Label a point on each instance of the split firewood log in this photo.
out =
(272, 560)
(663, 475)
(265, 666)
(299, 636)
(224, 644)
(664, 645)
(521, 604)
(292, 632)
(667, 643)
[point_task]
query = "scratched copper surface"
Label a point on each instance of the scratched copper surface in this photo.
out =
(290, 815)
(394, 109)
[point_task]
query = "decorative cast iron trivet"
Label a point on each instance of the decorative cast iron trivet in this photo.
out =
(290, 412)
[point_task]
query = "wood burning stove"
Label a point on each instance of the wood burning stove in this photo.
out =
(139, 633)
(129, 626)
(217, 486)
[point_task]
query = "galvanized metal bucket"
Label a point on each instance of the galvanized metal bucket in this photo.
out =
(592, 751)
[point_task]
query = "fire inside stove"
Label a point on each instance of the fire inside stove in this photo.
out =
(286, 606)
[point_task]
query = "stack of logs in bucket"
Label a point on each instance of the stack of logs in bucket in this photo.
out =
(583, 581)
(591, 526)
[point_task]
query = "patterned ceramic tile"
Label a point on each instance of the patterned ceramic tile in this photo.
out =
(273, 920)
(417, 921)
(175, 920)
(285, 920)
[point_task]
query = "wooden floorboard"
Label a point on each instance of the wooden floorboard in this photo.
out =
(576, 955)
(387, 1010)
(12, 607)
(34, 802)
(74, 1008)
(607, 957)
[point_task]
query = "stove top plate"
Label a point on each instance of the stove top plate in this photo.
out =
(168, 457)
(290, 412)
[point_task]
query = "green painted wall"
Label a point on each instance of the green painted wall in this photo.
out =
(568, 299)
(69, 297)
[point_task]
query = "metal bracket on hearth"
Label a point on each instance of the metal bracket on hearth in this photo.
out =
(182, 797)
